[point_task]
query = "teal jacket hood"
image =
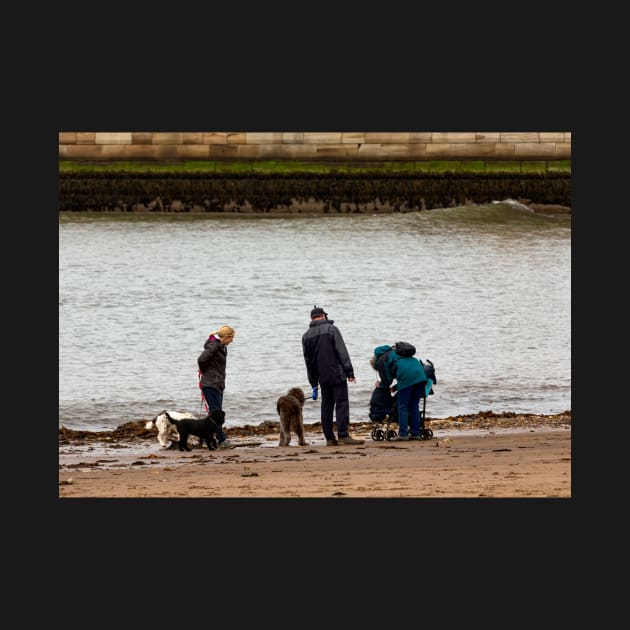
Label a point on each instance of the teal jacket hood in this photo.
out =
(379, 351)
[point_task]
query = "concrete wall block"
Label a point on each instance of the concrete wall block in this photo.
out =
(504, 151)
(113, 151)
(400, 151)
(474, 151)
(535, 150)
(194, 152)
(263, 138)
(357, 137)
(305, 152)
(112, 138)
(452, 137)
(86, 137)
(517, 138)
(547, 136)
(235, 137)
(192, 138)
(334, 151)
(166, 151)
(563, 150)
(67, 137)
(168, 137)
(313, 137)
(373, 137)
(460, 151)
(437, 150)
(408, 152)
(369, 151)
(293, 138)
(420, 137)
(82, 152)
(247, 151)
(484, 136)
(214, 137)
(278, 151)
(222, 151)
(141, 137)
(141, 152)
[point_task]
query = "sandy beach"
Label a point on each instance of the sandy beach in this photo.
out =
(484, 455)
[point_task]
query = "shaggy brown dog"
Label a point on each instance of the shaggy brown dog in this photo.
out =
(289, 409)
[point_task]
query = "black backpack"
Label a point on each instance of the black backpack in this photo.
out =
(404, 349)
(429, 370)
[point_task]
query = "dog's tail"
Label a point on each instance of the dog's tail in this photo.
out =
(168, 417)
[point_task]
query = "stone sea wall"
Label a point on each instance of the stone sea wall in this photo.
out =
(314, 146)
(334, 192)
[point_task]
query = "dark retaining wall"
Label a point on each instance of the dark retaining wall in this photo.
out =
(247, 192)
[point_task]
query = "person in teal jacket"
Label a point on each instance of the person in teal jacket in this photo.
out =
(410, 380)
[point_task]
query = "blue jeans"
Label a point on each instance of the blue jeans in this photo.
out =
(214, 400)
(409, 410)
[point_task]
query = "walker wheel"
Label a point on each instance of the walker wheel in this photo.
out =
(390, 434)
(378, 434)
(426, 434)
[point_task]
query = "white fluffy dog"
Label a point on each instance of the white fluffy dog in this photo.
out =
(167, 431)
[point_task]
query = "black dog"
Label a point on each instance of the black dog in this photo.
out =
(203, 428)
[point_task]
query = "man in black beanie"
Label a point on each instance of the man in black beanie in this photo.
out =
(328, 365)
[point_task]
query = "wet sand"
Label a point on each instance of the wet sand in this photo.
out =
(481, 455)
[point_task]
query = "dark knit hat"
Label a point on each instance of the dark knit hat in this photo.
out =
(317, 311)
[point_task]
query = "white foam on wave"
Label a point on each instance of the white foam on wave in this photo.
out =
(514, 204)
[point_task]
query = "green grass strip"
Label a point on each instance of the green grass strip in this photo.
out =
(280, 167)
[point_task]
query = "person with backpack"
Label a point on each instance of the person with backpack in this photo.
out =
(397, 363)
(211, 363)
(328, 366)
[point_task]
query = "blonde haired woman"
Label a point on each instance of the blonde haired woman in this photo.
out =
(212, 362)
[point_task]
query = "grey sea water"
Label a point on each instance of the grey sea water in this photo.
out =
(482, 291)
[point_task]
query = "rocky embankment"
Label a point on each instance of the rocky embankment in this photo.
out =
(135, 430)
(297, 193)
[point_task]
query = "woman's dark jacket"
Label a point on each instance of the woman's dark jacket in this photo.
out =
(212, 362)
